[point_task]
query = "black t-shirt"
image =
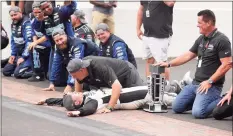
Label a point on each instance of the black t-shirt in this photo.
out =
(210, 50)
(104, 71)
(159, 23)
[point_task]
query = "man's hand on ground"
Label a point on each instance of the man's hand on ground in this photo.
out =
(42, 102)
(73, 113)
(204, 87)
(224, 99)
(50, 88)
(67, 89)
(103, 110)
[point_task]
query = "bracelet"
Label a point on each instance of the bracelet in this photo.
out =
(110, 108)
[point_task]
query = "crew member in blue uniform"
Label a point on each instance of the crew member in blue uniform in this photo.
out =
(67, 48)
(40, 47)
(19, 62)
(113, 46)
(57, 17)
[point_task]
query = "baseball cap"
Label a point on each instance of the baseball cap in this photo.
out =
(57, 31)
(15, 9)
(102, 26)
(36, 4)
(81, 15)
(68, 102)
(76, 64)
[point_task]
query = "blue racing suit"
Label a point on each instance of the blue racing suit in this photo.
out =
(20, 39)
(40, 53)
(115, 47)
(76, 48)
(59, 18)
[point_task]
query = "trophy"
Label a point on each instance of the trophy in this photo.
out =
(156, 87)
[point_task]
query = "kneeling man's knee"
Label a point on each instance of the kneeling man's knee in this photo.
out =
(199, 113)
(176, 108)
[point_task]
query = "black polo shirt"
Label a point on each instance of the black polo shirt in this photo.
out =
(210, 50)
(159, 24)
(103, 71)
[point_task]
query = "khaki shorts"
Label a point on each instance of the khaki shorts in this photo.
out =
(155, 47)
(98, 17)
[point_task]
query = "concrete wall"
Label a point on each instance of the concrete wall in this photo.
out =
(184, 25)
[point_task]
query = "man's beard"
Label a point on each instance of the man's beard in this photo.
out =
(15, 22)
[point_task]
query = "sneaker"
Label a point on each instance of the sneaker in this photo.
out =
(176, 88)
(36, 78)
(186, 80)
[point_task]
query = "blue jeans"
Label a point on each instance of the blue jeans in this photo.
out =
(201, 105)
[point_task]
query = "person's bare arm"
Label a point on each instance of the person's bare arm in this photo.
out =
(170, 3)
(34, 38)
(40, 40)
(78, 87)
(183, 59)
(221, 71)
(12, 3)
(139, 21)
(68, 2)
(102, 4)
(116, 90)
(21, 5)
(230, 91)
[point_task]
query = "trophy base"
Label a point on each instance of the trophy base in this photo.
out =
(155, 107)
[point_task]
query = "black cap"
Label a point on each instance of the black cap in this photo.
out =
(76, 64)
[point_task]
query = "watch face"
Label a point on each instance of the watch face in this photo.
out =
(210, 81)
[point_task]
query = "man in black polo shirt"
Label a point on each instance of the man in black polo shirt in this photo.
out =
(104, 72)
(213, 50)
(157, 18)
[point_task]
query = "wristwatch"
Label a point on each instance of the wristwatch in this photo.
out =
(169, 65)
(210, 81)
(110, 108)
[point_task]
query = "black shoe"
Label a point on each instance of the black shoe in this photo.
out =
(36, 78)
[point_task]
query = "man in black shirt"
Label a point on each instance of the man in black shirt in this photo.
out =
(81, 29)
(157, 18)
(213, 50)
(104, 72)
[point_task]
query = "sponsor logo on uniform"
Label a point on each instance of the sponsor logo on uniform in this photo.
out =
(210, 47)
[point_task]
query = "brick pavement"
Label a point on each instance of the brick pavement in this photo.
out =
(136, 120)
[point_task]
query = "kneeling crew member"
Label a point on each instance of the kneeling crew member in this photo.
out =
(67, 48)
(113, 46)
